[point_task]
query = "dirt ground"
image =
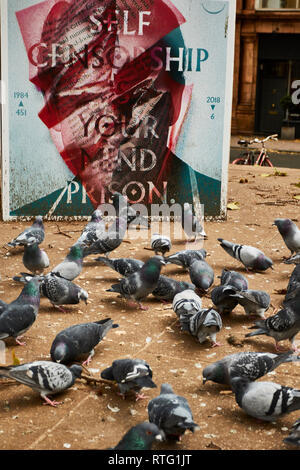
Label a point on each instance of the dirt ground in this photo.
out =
(94, 416)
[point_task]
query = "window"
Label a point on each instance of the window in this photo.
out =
(277, 4)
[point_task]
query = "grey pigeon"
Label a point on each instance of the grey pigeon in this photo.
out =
(167, 288)
(140, 437)
(35, 259)
(109, 240)
(251, 365)
(78, 341)
(255, 302)
(139, 285)
(127, 211)
(45, 377)
(72, 265)
(58, 290)
(130, 374)
(190, 223)
(249, 256)
(186, 302)
(285, 324)
(123, 266)
(185, 258)
(267, 401)
(34, 233)
(294, 280)
(201, 274)
(290, 234)
(295, 259)
(171, 413)
(233, 279)
(18, 316)
(160, 243)
(293, 438)
(224, 297)
(204, 324)
(93, 229)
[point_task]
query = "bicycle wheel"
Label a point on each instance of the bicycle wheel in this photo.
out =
(266, 162)
(239, 161)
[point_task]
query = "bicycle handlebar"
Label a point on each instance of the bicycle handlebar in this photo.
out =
(270, 137)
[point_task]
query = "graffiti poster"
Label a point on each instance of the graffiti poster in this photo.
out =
(101, 96)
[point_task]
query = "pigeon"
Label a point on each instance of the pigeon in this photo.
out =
(185, 258)
(72, 265)
(224, 297)
(293, 438)
(167, 288)
(290, 234)
(265, 400)
(233, 279)
(203, 324)
(58, 290)
(250, 365)
(34, 233)
(190, 224)
(140, 284)
(201, 274)
(123, 209)
(250, 257)
(285, 324)
(186, 302)
(171, 413)
(130, 374)
(160, 244)
(93, 229)
(109, 240)
(295, 259)
(140, 437)
(78, 341)
(35, 259)
(18, 316)
(294, 280)
(45, 377)
(255, 302)
(123, 266)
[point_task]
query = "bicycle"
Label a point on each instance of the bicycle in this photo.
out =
(249, 156)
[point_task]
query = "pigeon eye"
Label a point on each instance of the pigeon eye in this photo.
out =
(149, 432)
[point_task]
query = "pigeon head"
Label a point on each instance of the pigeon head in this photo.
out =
(166, 388)
(141, 437)
(213, 372)
(38, 221)
(262, 263)
(284, 225)
(97, 216)
(60, 353)
(76, 252)
(152, 267)
(76, 370)
(239, 385)
(83, 295)
(32, 288)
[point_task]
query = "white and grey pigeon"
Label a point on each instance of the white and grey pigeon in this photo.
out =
(250, 365)
(285, 324)
(171, 413)
(293, 438)
(185, 258)
(186, 302)
(130, 375)
(35, 259)
(167, 288)
(93, 230)
(234, 279)
(204, 324)
(19, 315)
(201, 275)
(160, 244)
(290, 234)
(224, 297)
(58, 290)
(140, 284)
(34, 233)
(44, 377)
(249, 256)
(123, 266)
(77, 342)
(255, 302)
(109, 240)
(72, 265)
(267, 401)
(190, 224)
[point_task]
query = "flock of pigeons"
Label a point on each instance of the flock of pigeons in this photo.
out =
(169, 414)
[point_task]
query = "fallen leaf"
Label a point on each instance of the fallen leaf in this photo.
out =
(16, 361)
(297, 196)
(233, 206)
(265, 175)
(113, 409)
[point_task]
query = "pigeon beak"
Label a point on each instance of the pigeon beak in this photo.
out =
(161, 436)
(204, 380)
